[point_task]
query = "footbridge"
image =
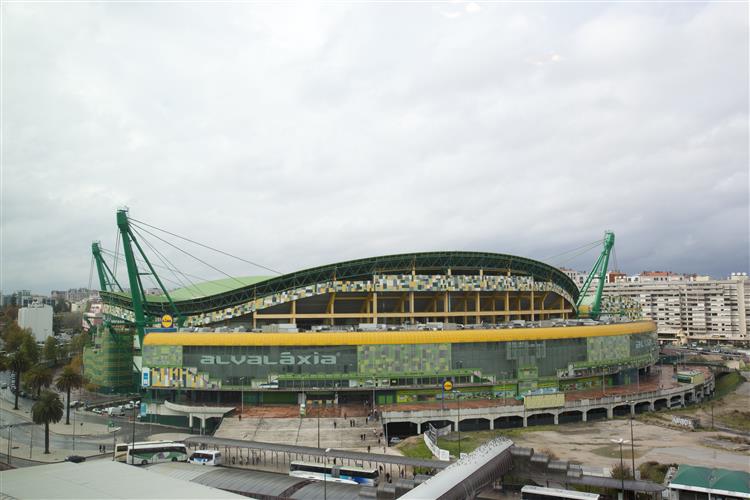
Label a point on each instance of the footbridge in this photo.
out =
(584, 410)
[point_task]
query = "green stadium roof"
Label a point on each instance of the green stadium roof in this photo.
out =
(208, 288)
(228, 292)
(707, 479)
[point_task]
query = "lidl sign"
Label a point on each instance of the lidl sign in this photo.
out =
(166, 321)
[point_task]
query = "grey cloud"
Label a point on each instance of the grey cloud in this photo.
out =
(300, 135)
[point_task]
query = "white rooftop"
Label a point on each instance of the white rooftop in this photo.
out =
(99, 479)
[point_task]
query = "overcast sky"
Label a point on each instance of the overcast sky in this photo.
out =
(298, 135)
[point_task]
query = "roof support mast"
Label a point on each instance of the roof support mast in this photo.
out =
(585, 305)
(134, 276)
(107, 279)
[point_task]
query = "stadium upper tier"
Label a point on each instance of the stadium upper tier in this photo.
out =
(222, 294)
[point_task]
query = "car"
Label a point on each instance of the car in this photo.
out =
(97, 410)
(76, 459)
(395, 440)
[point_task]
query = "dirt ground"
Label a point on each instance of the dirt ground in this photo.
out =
(656, 439)
(590, 444)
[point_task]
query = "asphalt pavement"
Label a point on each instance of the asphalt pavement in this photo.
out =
(85, 434)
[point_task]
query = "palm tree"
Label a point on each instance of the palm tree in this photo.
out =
(39, 377)
(18, 362)
(69, 379)
(47, 409)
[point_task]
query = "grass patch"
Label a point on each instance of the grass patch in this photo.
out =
(470, 440)
(613, 451)
(739, 420)
(727, 384)
(415, 449)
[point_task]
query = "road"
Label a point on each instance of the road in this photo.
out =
(18, 426)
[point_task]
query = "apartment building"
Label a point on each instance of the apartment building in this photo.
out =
(690, 307)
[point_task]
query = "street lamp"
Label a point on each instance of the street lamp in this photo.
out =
(632, 441)
(315, 403)
(242, 396)
(621, 441)
(10, 440)
(458, 423)
(325, 473)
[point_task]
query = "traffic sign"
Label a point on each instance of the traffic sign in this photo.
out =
(447, 385)
(166, 321)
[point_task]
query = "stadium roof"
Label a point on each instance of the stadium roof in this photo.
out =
(715, 481)
(424, 262)
(208, 288)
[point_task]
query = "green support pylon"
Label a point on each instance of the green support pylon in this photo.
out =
(107, 279)
(600, 270)
(134, 278)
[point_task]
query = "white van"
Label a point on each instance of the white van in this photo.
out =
(206, 457)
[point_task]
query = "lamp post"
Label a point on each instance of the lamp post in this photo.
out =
(132, 454)
(621, 441)
(242, 396)
(318, 413)
(632, 441)
(10, 440)
(325, 473)
(458, 422)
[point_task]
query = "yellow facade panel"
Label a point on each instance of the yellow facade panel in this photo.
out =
(396, 337)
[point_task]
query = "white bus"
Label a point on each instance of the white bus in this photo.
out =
(206, 457)
(334, 473)
(529, 492)
(151, 452)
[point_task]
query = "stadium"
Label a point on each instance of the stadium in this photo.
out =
(383, 330)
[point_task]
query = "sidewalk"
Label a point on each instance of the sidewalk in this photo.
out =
(81, 428)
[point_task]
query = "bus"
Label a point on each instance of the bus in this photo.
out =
(121, 449)
(206, 457)
(529, 492)
(151, 452)
(334, 473)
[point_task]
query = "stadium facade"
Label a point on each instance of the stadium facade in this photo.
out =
(393, 328)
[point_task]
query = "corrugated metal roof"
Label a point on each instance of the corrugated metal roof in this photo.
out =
(358, 456)
(100, 479)
(712, 479)
(252, 482)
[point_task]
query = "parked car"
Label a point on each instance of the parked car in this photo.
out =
(76, 459)
(395, 440)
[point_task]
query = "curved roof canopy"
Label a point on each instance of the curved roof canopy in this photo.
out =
(421, 263)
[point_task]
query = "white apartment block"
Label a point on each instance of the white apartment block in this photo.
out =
(36, 317)
(691, 307)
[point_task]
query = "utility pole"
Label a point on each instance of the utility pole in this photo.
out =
(632, 441)
(10, 440)
(132, 453)
(458, 423)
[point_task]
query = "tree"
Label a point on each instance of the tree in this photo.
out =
(78, 342)
(38, 377)
(623, 472)
(24, 353)
(47, 409)
(51, 349)
(69, 379)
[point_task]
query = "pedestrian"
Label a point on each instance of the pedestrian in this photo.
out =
(334, 424)
(368, 448)
(378, 441)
